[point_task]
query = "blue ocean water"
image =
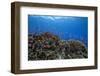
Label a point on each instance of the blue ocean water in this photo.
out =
(66, 27)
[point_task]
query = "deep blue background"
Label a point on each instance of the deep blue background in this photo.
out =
(66, 27)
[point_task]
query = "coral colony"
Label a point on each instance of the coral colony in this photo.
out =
(47, 46)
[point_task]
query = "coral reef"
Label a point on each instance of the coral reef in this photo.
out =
(47, 46)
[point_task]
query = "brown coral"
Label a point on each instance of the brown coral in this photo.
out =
(47, 46)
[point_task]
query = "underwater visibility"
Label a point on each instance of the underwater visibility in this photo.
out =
(53, 37)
